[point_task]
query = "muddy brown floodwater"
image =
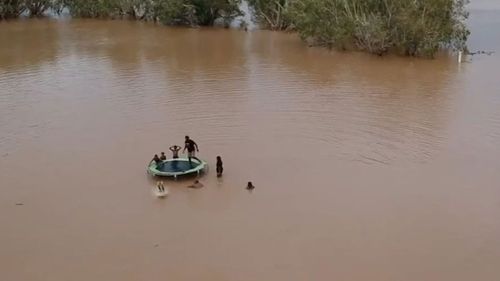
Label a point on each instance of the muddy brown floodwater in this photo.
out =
(365, 168)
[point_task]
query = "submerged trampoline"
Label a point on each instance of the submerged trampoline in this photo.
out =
(177, 167)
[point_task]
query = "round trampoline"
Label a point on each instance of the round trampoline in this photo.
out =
(177, 167)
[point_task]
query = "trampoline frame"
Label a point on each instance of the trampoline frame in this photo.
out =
(201, 166)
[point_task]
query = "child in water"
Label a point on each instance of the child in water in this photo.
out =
(250, 186)
(219, 167)
(196, 184)
(160, 186)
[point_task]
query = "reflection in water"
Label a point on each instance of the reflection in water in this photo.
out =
(25, 41)
(398, 106)
(367, 168)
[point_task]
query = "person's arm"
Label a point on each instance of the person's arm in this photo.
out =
(196, 145)
(185, 146)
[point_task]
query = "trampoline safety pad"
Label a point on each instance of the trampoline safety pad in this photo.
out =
(176, 167)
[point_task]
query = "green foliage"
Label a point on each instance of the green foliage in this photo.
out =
(37, 8)
(170, 12)
(208, 11)
(93, 8)
(175, 12)
(412, 27)
(11, 8)
(271, 14)
(416, 28)
(15, 8)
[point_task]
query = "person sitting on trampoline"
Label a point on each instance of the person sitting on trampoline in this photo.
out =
(163, 156)
(190, 145)
(156, 159)
(175, 151)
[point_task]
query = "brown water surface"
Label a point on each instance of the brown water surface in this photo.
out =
(365, 168)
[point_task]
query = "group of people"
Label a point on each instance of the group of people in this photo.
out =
(189, 145)
(198, 184)
(192, 147)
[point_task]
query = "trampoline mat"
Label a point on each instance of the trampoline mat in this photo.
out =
(177, 166)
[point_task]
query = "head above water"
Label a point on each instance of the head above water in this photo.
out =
(163, 153)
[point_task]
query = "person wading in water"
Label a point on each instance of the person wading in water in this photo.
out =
(219, 167)
(191, 146)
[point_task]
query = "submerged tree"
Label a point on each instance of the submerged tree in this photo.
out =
(170, 12)
(37, 8)
(416, 28)
(208, 11)
(271, 14)
(16, 8)
(11, 8)
(411, 27)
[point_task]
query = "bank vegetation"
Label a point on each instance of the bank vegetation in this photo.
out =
(409, 27)
(169, 12)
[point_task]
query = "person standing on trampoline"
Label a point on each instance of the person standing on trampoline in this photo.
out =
(175, 151)
(191, 146)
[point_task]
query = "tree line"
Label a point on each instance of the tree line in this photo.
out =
(169, 12)
(409, 27)
(15, 8)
